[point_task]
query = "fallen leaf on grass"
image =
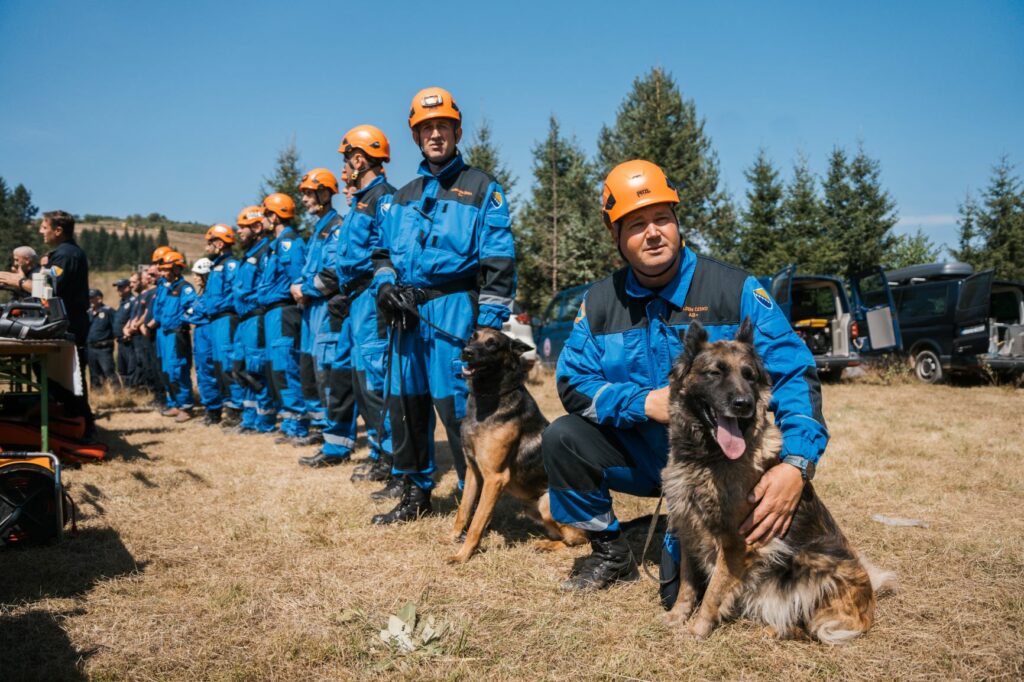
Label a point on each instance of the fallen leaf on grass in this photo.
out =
(893, 521)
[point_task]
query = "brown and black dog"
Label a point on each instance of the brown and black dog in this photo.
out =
(809, 582)
(501, 436)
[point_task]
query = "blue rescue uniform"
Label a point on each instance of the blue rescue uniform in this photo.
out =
(219, 306)
(283, 325)
(173, 343)
(450, 236)
(249, 354)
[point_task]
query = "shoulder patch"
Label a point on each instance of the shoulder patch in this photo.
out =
(285, 245)
(496, 199)
(57, 270)
(582, 311)
(189, 290)
(762, 297)
(231, 264)
(102, 315)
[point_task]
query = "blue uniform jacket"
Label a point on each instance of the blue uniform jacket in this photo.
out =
(153, 315)
(247, 277)
(217, 296)
(285, 259)
(179, 297)
(626, 338)
(360, 234)
(454, 226)
(319, 254)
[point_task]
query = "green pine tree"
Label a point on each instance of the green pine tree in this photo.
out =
(482, 153)
(16, 215)
(560, 240)
(285, 179)
(654, 122)
(161, 238)
(762, 218)
(801, 218)
(912, 249)
(970, 249)
(1000, 222)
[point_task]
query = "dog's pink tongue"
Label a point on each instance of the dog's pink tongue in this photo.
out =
(729, 437)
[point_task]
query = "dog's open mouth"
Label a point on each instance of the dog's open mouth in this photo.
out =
(727, 432)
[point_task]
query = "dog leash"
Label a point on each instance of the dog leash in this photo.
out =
(647, 544)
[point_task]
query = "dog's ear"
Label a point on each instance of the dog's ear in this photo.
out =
(745, 334)
(519, 347)
(696, 339)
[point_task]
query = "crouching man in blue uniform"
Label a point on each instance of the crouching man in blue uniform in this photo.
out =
(613, 375)
(447, 265)
(282, 318)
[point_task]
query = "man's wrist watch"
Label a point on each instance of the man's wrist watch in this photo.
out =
(805, 465)
(21, 282)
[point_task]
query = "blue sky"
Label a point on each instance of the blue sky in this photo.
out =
(127, 107)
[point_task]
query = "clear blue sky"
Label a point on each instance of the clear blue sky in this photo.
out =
(180, 107)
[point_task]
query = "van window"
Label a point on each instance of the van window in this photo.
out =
(922, 300)
(872, 290)
(813, 302)
(1006, 306)
(572, 305)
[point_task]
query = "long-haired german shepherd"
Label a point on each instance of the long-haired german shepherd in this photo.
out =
(501, 437)
(809, 582)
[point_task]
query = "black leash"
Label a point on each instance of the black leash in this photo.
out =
(647, 543)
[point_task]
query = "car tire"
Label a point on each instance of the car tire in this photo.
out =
(927, 366)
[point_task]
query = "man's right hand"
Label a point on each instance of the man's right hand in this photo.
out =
(656, 405)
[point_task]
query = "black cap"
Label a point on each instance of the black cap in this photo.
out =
(95, 292)
(121, 283)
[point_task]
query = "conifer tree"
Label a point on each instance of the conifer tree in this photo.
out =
(560, 240)
(911, 249)
(801, 221)
(161, 238)
(762, 219)
(483, 153)
(655, 123)
(970, 250)
(1000, 222)
(285, 179)
(16, 215)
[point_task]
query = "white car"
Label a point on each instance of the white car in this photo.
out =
(518, 327)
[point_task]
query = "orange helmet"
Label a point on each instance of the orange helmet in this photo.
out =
(281, 205)
(170, 259)
(370, 139)
(250, 215)
(632, 185)
(433, 103)
(317, 178)
(158, 254)
(222, 232)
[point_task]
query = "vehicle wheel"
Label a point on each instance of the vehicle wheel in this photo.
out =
(927, 366)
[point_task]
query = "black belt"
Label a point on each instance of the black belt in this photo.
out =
(222, 315)
(357, 286)
(424, 294)
(102, 345)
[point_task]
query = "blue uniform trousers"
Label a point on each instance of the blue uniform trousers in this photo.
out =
(222, 333)
(206, 374)
(340, 432)
(368, 364)
(311, 367)
(259, 412)
(426, 373)
(283, 328)
(175, 351)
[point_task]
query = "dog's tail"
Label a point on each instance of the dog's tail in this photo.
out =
(882, 582)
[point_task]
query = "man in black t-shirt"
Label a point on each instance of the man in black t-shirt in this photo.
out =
(100, 341)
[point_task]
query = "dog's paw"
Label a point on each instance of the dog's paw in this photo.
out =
(699, 628)
(457, 537)
(680, 613)
(460, 558)
(547, 545)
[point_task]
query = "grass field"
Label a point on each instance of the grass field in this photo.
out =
(203, 556)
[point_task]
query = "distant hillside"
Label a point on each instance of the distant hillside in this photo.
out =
(191, 243)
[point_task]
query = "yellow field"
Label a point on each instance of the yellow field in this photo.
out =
(203, 555)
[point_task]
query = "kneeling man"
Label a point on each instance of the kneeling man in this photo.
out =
(613, 379)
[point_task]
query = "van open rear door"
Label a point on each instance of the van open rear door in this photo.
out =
(874, 309)
(782, 288)
(972, 310)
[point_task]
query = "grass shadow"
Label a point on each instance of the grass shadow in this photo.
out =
(121, 448)
(66, 569)
(36, 647)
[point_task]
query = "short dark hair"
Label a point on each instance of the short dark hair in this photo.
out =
(62, 219)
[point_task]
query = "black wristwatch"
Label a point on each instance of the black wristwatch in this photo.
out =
(21, 282)
(805, 466)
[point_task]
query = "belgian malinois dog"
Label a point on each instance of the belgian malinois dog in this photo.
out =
(501, 437)
(808, 582)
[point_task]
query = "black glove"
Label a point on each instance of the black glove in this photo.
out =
(338, 306)
(389, 306)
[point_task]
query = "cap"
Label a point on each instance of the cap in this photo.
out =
(95, 292)
(121, 283)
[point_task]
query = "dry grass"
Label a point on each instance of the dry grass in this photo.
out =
(212, 556)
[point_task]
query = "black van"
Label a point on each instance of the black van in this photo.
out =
(838, 329)
(955, 320)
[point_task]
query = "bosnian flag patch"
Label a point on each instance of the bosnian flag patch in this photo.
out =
(763, 298)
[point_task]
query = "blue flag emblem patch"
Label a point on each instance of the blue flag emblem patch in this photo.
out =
(763, 298)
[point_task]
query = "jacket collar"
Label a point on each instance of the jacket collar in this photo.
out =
(450, 169)
(256, 247)
(373, 183)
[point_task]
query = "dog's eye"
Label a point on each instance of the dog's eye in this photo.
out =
(714, 373)
(490, 343)
(747, 373)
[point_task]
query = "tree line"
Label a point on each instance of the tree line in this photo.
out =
(111, 250)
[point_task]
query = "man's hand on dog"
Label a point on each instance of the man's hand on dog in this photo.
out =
(776, 496)
(656, 405)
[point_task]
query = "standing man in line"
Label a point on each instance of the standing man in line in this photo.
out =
(202, 344)
(319, 333)
(259, 415)
(447, 265)
(219, 306)
(124, 287)
(146, 369)
(173, 339)
(70, 270)
(100, 341)
(282, 317)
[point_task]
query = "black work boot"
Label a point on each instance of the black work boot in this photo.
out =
(212, 417)
(232, 417)
(320, 460)
(376, 470)
(311, 438)
(415, 503)
(392, 490)
(609, 562)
